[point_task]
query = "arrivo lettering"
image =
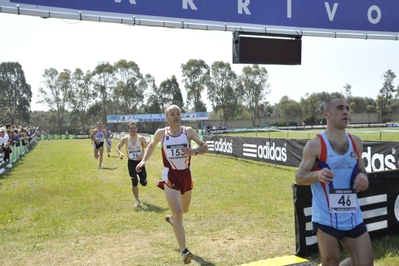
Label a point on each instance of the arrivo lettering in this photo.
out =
(374, 12)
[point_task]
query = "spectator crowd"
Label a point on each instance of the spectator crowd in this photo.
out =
(14, 136)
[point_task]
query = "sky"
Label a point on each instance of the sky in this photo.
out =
(328, 64)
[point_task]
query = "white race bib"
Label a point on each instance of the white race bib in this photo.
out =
(343, 200)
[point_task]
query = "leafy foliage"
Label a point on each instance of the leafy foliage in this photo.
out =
(77, 100)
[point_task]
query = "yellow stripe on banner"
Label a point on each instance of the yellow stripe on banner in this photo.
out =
(278, 261)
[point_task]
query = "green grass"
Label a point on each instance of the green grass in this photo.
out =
(57, 208)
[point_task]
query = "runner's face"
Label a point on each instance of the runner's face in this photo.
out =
(174, 116)
(339, 113)
(133, 129)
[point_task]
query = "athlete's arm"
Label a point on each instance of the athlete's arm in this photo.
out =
(304, 174)
(120, 145)
(143, 142)
(150, 148)
(193, 136)
(361, 181)
(93, 133)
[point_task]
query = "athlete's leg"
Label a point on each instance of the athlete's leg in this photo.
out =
(329, 249)
(173, 198)
(186, 200)
(95, 151)
(101, 151)
(359, 249)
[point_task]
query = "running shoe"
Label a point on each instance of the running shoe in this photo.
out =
(168, 219)
(137, 204)
(187, 256)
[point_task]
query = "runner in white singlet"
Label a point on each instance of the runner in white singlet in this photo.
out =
(177, 182)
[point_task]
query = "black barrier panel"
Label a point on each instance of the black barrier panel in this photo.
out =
(377, 155)
(379, 204)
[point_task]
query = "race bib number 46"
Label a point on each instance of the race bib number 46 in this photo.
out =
(343, 200)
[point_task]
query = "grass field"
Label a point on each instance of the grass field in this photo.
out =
(57, 208)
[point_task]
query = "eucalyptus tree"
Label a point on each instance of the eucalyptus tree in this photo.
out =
(291, 110)
(16, 93)
(195, 76)
(222, 90)
(312, 107)
(363, 105)
(385, 96)
(169, 93)
(152, 88)
(350, 100)
(104, 82)
(152, 106)
(81, 95)
(129, 90)
(55, 94)
(253, 89)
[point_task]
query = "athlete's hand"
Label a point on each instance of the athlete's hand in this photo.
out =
(138, 167)
(325, 176)
(188, 151)
(361, 182)
(121, 156)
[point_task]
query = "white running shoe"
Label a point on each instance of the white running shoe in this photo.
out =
(137, 204)
(169, 220)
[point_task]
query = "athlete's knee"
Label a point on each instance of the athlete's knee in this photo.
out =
(178, 215)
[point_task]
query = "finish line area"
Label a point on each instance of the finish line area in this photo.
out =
(281, 261)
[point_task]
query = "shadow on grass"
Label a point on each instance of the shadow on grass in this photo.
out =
(7, 171)
(199, 260)
(202, 262)
(108, 168)
(151, 208)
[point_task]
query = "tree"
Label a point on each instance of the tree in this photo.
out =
(312, 108)
(130, 87)
(56, 93)
(349, 98)
(289, 109)
(81, 95)
(253, 89)
(195, 75)
(104, 81)
(385, 96)
(16, 94)
(361, 105)
(169, 93)
(222, 90)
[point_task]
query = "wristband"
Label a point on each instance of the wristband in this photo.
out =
(364, 172)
